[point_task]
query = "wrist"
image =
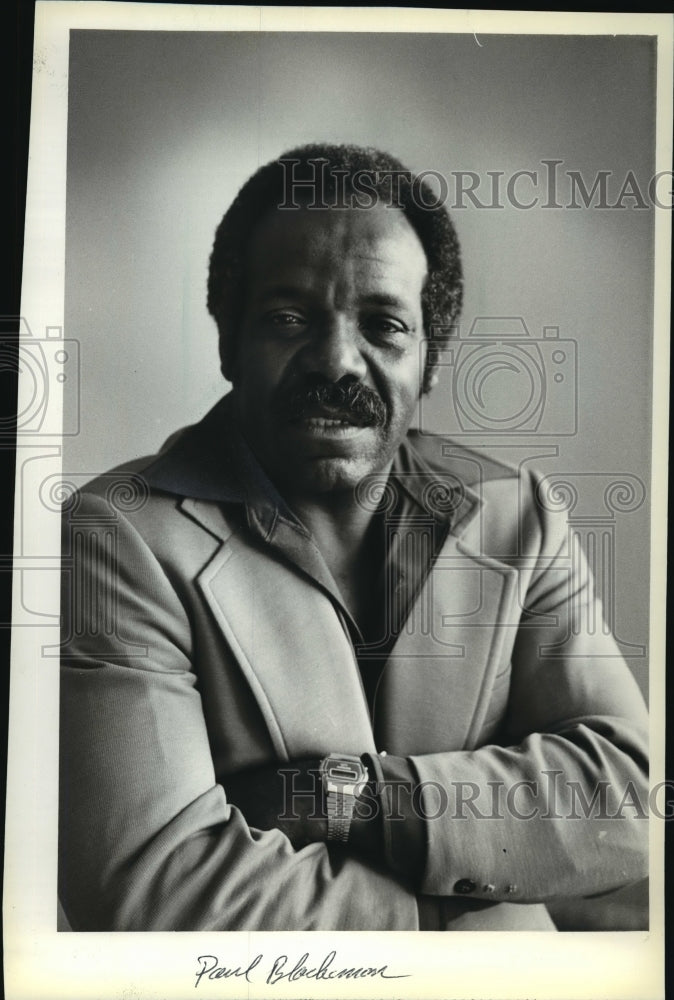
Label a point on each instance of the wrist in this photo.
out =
(343, 779)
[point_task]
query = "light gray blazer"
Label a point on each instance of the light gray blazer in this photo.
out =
(191, 652)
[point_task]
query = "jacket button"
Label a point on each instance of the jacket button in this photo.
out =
(464, 886)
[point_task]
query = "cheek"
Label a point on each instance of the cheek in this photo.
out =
(258, 372)
(407, 378)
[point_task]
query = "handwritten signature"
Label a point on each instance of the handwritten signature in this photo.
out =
(282, 968)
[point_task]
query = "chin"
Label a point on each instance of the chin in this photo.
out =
(332, 475)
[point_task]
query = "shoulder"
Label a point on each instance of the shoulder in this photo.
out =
(125, 500)
(122, 490)
(197, 461)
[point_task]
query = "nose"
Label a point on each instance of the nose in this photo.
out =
(334, 350)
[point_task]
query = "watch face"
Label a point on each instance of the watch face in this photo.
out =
(343, 774)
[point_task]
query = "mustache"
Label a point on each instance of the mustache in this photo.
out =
(347, 399)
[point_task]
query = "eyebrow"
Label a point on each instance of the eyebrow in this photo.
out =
(283, 292)
(296, 291)
(385, 299)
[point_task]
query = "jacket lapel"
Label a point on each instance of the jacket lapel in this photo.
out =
(296, 657)
(434, 692)
(300, 666)
(292, 650)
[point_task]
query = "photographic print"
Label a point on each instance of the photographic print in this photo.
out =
(339, 553)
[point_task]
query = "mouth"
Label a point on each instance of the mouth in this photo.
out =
(329, 420)
(324, 422)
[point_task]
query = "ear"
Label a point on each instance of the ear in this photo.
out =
(431, 380)
(227, 359)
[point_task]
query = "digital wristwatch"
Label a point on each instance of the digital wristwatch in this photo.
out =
(344, 777)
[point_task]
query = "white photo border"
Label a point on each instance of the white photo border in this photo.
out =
(39, 961)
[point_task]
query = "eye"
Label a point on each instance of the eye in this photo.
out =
(386, 328)
(285, 321)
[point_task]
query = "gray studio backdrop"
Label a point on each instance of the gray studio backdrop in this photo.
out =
(165, 127)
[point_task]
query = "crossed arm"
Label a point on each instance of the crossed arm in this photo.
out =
(290, 798)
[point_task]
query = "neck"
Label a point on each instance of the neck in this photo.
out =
(334, 519)
(337, 520)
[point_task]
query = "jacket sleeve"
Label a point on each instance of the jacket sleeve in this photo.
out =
(147, 840)
(558, 807)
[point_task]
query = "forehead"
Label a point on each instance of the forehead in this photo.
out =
(377, 243)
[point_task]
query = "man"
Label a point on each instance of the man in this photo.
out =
(320, 672)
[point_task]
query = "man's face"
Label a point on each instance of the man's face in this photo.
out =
(331, 348)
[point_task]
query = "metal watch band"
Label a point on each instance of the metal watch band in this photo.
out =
(340, 813)
(343, 777)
